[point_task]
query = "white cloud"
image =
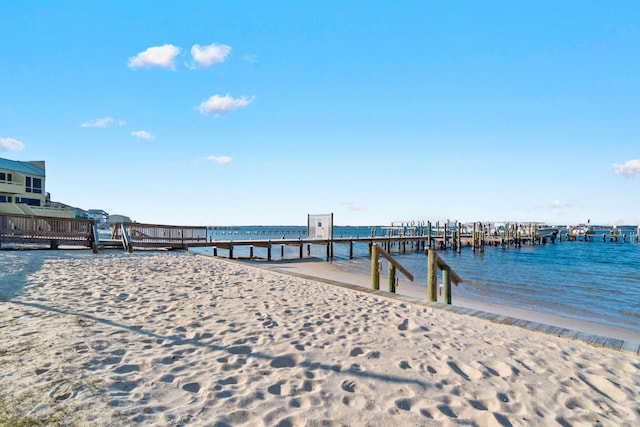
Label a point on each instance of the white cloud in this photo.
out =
(354, 206)
(221, 160)
(629, 169)
(156, 56)
(142, 134)
(217, 104)
(10, 144)
(102, 123)
(204, 56)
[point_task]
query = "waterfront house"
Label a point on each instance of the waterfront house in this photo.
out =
(23, 191)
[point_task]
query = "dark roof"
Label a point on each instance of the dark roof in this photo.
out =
(22, 167)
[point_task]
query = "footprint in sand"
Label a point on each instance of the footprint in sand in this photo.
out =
(126, 369)
(348, 386)
(286, 361)
(465, 372)
(240, 349)
(191, 387)
(357, 351)
(405, 365)
(275, 389)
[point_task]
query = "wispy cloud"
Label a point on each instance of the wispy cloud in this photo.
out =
(221, 160)
(218, 104)
(143, 134)
(156, 56)
(354, 206)
(557, 204)
(204, 56)
(629, 169)
(10, 144)
(252, 58)
(102, 123)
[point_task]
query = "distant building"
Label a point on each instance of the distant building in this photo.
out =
(117, 219)
(99, 216)
(22, 190)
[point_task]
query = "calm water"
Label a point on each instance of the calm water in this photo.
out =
(592, 281)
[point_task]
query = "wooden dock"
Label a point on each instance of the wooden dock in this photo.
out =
(53, 232)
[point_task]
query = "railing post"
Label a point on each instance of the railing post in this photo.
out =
(392, 278)
(375, 268)
(446, 286)
(432, 276)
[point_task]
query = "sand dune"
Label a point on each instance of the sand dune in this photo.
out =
(178, 339)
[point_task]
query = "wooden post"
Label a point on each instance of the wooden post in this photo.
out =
(375, 268)
(250, 251)
(231, 250)
(328, 250)
(444, 236)
(475, 244)
(95, 238)
(429, 234)
(350, 249)
(432, 276)
(301, 247)
(269, 250)
(392, 278)
(281, 251)
(215, 251)
(308, 249)
(459, 237)
(446, 286)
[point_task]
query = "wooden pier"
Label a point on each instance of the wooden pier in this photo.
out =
(53, 232)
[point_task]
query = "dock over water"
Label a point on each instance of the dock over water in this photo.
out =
(49, 232)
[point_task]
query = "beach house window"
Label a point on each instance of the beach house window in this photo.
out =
(5, 176)
(33, 185)
(37, 185)
(30, 202)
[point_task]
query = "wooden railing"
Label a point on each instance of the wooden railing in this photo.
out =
(376, 253)
(434, 262)
(48, 230)
(151, 235)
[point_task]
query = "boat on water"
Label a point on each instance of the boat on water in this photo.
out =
(546, 232)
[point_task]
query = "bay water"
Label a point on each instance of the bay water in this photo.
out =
(594, 281)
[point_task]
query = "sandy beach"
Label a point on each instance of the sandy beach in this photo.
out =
(177, 339)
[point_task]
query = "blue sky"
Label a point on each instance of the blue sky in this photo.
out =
(253, 112)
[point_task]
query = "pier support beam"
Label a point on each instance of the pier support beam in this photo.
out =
(432, 276)
(375, 268)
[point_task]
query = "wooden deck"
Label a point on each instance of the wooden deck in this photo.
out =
(45, 231)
